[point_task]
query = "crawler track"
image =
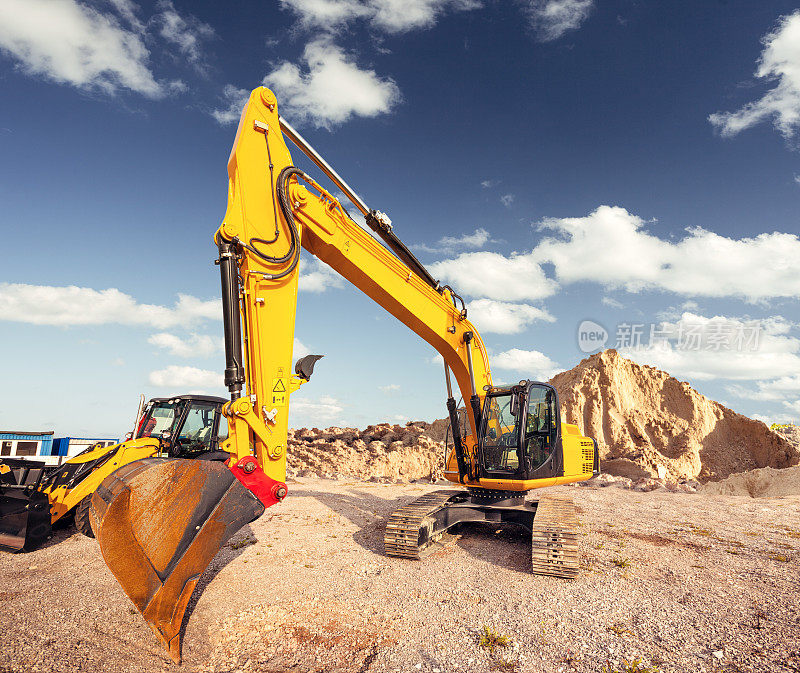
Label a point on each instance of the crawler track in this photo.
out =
(554, 543)
(408, 534)
(417, 529)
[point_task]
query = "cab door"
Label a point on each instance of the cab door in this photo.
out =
(541, 433)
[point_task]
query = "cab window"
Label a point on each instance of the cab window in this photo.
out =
(500, 442)
(196, 434)
(540, 425)
(158, 419)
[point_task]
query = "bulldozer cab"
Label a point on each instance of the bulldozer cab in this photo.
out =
(186, 426)
(520, 432)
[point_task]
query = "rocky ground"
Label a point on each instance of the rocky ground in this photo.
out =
(684, 581)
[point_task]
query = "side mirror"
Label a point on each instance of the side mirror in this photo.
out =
(514, 405)
(166, 434)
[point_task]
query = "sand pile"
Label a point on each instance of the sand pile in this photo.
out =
(763, 483)
(646, 421)
(381, 452)
(789, 432)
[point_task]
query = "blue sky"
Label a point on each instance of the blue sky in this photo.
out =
(632, 164)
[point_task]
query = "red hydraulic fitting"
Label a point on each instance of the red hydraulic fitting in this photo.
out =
(267, 490)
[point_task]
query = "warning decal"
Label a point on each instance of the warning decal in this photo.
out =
(279, 392)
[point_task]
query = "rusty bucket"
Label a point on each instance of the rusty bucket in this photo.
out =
(159, 522)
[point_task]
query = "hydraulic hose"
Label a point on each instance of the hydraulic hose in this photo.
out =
(286, 209)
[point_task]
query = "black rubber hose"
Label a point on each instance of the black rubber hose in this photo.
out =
(294, 249)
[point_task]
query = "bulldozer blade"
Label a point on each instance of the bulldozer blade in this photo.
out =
(24, 518)
(159, 522)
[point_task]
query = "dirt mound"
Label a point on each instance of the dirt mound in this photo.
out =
(647, 422)
(763, 483)
(384, 452)
(789, 432)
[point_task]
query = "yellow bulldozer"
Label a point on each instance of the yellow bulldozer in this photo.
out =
(160, 520)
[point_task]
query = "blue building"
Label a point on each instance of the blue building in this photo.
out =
(43, 446)
(25, 444)
(72, 446)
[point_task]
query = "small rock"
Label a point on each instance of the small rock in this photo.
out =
(718, 654)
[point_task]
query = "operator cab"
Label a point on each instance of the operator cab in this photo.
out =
(520, 432)
(187, 426)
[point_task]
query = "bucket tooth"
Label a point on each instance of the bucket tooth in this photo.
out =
(159, 522)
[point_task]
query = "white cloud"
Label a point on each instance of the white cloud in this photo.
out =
(390, 388)
(609, 246)
(71, 43)
(400, 16)
(186, 378)
(477, 239)
(722, 347)
(794, 407)
(492, 275)
(195, 345)
(234, 101)
(299, 349)
(391, 16)
(779, 63)
(187, 33)
(488, 184)
(507, 200)
(127, 11)
(316, 276)
(330, 88)
(551, 19)
(797, 179)
(613, 303)
(527, 363)
(502, 317)
(315, 413)
(48, 305)
(776, 389)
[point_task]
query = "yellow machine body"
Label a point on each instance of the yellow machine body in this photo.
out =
(67, 493)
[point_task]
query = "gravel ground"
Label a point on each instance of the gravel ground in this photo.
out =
(685, 582)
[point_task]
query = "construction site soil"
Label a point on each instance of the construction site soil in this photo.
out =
(685, 582)
(686, 576)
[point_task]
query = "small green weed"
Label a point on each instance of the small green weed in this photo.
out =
(491, 639)
(635, 666)
(621, 562)
(700, 531)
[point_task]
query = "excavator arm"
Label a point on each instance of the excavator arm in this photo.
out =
(266, 223)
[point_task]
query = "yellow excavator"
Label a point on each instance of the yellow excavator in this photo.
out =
(160, 521)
